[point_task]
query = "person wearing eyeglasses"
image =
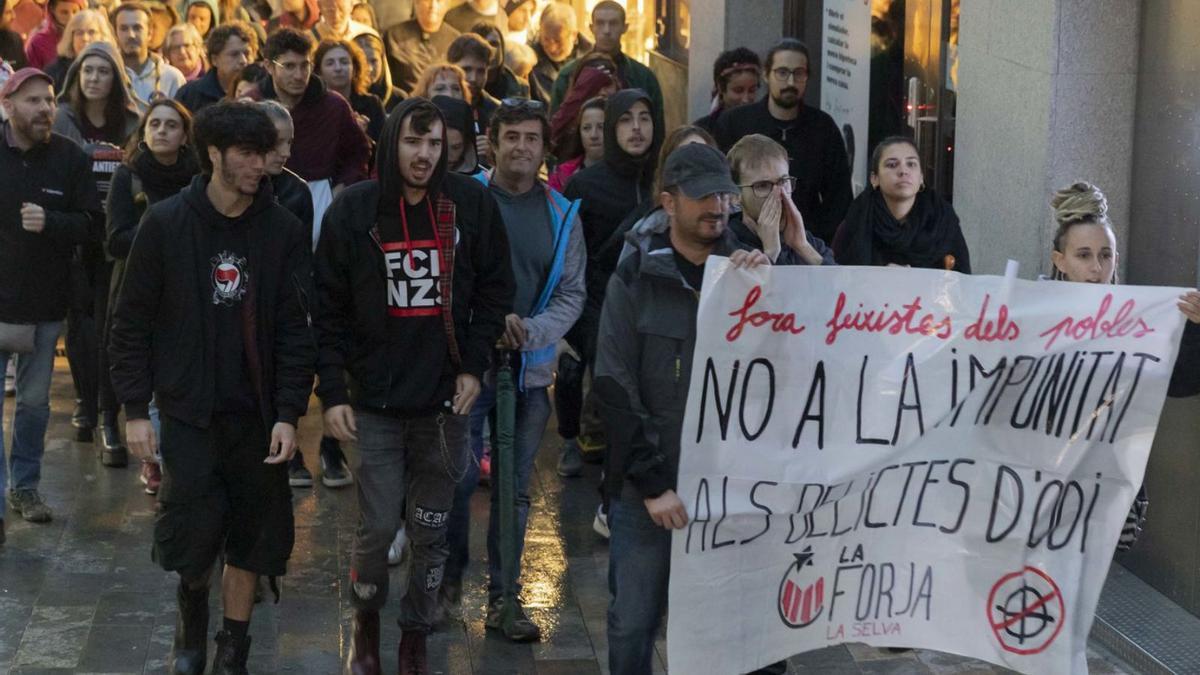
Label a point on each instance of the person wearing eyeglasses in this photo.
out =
(329, 150)
(769, 221)
(818, 154)
(230, 47)
(899, 222)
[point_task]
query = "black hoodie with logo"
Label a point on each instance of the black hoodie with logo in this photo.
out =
(382, 343)
(611, 190)
(212, 305)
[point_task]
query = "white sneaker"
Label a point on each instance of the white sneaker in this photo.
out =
(600, 524)
(397, 549)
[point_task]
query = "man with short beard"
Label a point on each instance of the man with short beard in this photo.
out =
(647, 335)
(416, 44)
(413, 286)
(149, 74)
(610, 191)
(814, 145)
(212, 323)
(48, 205)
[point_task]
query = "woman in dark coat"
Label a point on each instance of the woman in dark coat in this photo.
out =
(899, 221)
(159, 162)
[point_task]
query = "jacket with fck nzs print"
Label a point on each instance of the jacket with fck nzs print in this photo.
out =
(382, 336)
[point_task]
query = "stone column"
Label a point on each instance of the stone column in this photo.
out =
(1046, 97)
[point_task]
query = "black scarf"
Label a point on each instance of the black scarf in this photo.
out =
(875, 237)
(160, 181)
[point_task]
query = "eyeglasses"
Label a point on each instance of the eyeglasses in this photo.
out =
(762, 189)
(294, 67)
(784, 75)
(532, 105)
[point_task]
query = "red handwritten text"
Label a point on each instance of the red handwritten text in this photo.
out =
(1000, 329)
(779, 322)
(1097, 325)
(892, 321)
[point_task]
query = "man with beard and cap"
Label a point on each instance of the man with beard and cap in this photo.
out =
(418, 43)
(212, 322)
(558, 43)
(610, 191)
(814, 145)
(647, 336)
(548, 268)
(149, 73)
(460, 135)
(413, 286)
(47, 207)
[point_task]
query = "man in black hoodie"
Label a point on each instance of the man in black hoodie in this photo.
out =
(211, 321)
(413, 286)
(609, 191)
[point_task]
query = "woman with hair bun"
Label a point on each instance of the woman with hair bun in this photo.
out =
(1085, 251)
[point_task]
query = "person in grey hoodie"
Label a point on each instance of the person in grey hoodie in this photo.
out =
(97, 111)
(551, 291)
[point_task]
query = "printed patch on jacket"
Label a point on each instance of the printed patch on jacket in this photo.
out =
(433, 578)
(429, 518)
(229, 278)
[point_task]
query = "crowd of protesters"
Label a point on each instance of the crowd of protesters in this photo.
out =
(219, 204)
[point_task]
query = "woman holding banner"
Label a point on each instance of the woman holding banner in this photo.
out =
(1085, 250)
(899, 222)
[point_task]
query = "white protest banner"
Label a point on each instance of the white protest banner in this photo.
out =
(909, 458)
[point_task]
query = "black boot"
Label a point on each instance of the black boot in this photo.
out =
(364, 644)
(112, 451)
(231, 655)
(190, 652)
(84, 422)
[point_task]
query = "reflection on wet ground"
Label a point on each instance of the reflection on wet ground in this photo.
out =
(81, 594)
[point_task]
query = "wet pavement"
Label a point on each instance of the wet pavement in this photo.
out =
(80, 595)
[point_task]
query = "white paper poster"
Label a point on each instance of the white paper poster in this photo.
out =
(846, 77)
(909, 458)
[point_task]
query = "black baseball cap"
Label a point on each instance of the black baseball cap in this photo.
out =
(698, 170)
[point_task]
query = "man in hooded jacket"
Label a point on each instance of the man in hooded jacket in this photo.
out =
(212, 322)
(609, 191)
(413, 283)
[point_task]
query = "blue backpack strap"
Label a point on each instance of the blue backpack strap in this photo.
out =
(562, 214)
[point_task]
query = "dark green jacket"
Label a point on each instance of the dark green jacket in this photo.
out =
(634, 76)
